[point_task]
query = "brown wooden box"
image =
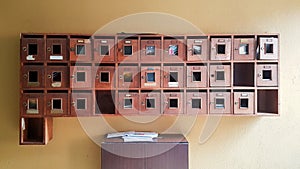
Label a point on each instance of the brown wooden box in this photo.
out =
(56, 49)
(151, 50)
(129, 76)
(220, 49)
(33, 49)
(173, 103)
(267, 75)
(173, 77)
(57, 77)
(174, 50)
(220, 75)
(104, 50)
(80, 76)
(220, 103)
(244, 49)
(104, 77)
(150, 103)
(57, 104)
(128, 50)
(196, 103)
(81, 103)
(32, 104)
(128, 103)
(32, 76)
(196, 76)
(80, 49)
(150, 77)
(268, 48)
(243, 103)
(197, 49)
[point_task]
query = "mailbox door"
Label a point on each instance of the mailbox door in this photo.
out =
(128, 50)
(129, 77)
(243, 102)
(220, 103)
(196, 76)
(56, 49)
(104, 50)
(196, 103)
(150, 50)
(197, 49)
(33, 104)
(81, 104)
(150, 77)
(267, 75)
(33, 76)
(150, 103)
(57, 77)
(220, 75)
(104, 77)
(80, 76)
(173, 77)
(173, 103)
(128, 103)
(80, 50)
(33, 50)
(268, 48)
(174, 50)
(220, 49)
(57, 104)
(244, 49)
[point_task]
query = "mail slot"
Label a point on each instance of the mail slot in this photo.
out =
(173, 77)
(268, 48)
(220, 49)
(197, 49)
(57, 104)
(196, 103)
(128, 50)
(244, 49)
(243, 103)
(220, 103)
(104, 77)
(220, 75)
(33, 49)
(81, 104)
(150, 103)
(80, 49)
(150, 76)
(33, 104)
(173, 102)
(267, 75)
(150, 50)
(104, 50)
(57, 77)
(129, 77)
(80, 76)
(196, 76)
(56, 49)
(128, 103)
(174, 50)
(32, 76)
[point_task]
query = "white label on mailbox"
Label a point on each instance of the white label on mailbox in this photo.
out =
(56, 84)
(30, 57)
(104, 41)
(127, 41)
(173, 84)
(150, 84)
(56, 57)
(30, 111)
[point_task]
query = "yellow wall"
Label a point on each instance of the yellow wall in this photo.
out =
(239, 142)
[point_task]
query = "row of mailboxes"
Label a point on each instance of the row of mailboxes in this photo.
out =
(82, 48)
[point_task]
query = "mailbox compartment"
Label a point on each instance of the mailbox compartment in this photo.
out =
(105, 102)
(104, 77)
(57, 77)
(32, 104)
(220, 49)
(243, 74)
(150, 102)
(104, 49)
(174, 49)
(267, 101)
(173, 76)
(173, 102)
(196, 76)
(56, 48)
(244, 48)
(32, 48)
(80, 76)
(197, 48)
(220, 75)
(128, 102)
(81, 103)
(196, 102)
(80, 48)
(267, 75)
(220, 102)
(150, 76)
(57, 104)
(128, 49)
(243, 102)
(268, 48)
(129, 76)
(150, 49)
(33, 76)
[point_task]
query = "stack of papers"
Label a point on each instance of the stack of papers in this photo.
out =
(132, 136)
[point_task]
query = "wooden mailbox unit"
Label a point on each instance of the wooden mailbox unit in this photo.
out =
(63, 75)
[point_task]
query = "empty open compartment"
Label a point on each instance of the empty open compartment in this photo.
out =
(243, 74)
(267, 101)
(105, 102)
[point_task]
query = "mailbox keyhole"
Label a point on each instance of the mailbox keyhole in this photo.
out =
(269, 48)
(33, 76)
(56, 104)
(104, 50)
(173, 103)
(127, 50)
(197, 50)
(173, 77)
(80, 76)
(81, 104)
(220, 75)
(56, 76)
(127, 77)
(267, 75)
(104, 77)
(56, 49)
(244, 103)
(150, 103)
(244, 49)
(196, 76)
(32, 49)
(32, 104)
(196, 103)
(150, 50)
(220, 103)
(80, 50)
(150, 77)
(173, 50)
(127, 103)
(221, 49)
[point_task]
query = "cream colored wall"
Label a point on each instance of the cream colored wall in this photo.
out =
(239, 142)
